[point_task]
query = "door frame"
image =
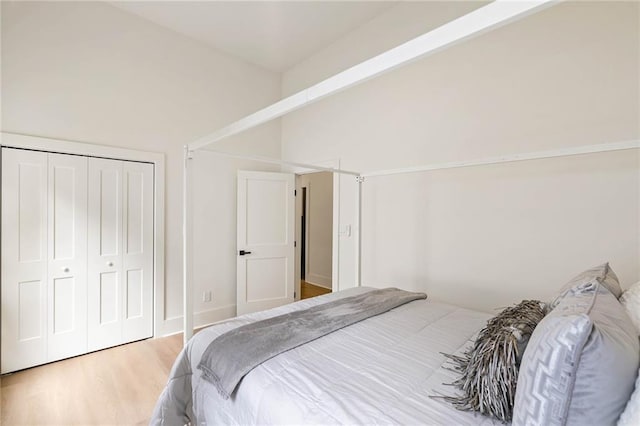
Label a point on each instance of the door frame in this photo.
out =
(304, 229)
(335, 245)
(161, 325)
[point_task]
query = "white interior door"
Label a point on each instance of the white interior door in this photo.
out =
(24, 259)
(137, 251)
(266, 228)
(120, 251)
(104, 253)
(67, 277)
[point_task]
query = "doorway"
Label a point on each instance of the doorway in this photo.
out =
(314, 226)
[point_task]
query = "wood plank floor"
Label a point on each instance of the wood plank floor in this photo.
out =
(308, 290)
(117, 386)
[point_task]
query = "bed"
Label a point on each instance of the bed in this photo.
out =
(379, 371)
(578, 365)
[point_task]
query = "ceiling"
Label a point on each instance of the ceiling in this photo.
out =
(275, 35)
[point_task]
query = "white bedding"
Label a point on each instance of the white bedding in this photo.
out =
(379, 371)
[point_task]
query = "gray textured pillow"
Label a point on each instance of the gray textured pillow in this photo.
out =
(580, 364)
(603, 273)
(489, 369)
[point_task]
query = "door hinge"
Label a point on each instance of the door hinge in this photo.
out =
(359, 179)
(295, 244)
(295, 193)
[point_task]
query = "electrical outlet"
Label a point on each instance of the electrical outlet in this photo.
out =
(206, 296)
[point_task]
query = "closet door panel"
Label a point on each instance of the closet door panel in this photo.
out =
(77, 255)
(104, 253)
(138, 251)
(109, 208)
(67, 240)
(24, 259)
(109, 304)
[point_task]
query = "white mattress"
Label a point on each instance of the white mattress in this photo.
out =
(379, 371)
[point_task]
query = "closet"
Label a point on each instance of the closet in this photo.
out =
(77, 255)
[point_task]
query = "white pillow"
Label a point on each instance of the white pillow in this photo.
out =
(631, 414)
(630, 299)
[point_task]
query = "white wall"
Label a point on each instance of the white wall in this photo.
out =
(486, 237)
(86, 71)
(214, 253)
(320, 227)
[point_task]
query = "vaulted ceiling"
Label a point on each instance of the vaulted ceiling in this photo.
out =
(272, 34)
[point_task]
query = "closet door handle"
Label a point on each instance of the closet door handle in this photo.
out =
(109, 263)
(65, 269)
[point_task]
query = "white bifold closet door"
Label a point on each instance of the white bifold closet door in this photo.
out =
(67, 239)
(44, 252)
(120, 252)
(77, 255)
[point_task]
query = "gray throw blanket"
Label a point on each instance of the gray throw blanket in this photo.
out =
(232, 355)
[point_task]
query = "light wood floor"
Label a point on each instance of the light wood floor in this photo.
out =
(308, 290)
(117, 386)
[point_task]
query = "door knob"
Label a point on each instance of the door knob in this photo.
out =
(242, 252)
(65, 269)
(109, 263)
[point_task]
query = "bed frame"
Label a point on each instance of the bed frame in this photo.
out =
(481, 20)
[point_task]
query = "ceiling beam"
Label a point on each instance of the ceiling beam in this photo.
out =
(484, 19)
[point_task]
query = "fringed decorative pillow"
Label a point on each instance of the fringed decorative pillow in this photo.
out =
(489, 370)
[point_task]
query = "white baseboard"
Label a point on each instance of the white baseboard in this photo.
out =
(212, 316)
(170, 326)
(173, 325)
(319, 280)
